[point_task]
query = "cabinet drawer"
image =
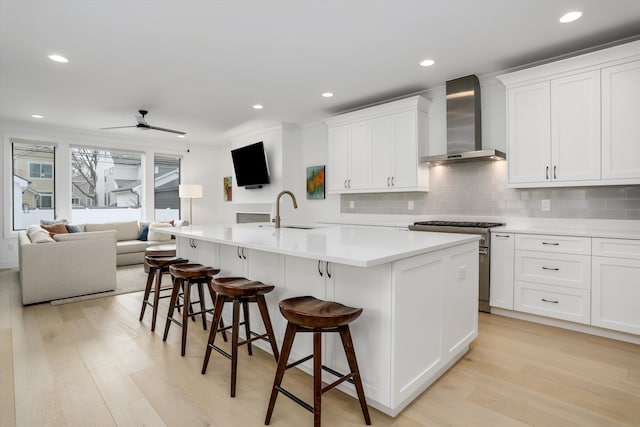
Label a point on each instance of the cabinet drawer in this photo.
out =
(554, 244)
(573, 271)
(553, 301)
(617, 248)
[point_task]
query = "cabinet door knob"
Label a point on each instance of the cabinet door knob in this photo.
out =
(320, 269)
(554, 172)
(349, 182)
(238, 252)
(345, 183)
(244, 255)
(392, 183)
(326, 267)
(546, 174)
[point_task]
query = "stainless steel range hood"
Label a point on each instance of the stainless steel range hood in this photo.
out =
(464, 129)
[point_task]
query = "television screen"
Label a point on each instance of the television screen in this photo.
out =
(250, 165)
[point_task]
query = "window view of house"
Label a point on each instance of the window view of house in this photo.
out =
(33, 182)
(105, 185)
(166, 177)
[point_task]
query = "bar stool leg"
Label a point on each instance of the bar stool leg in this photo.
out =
(234, 345)
(214, 298)
(156, 298)
(186, 289)
(349, 350)
(264, 312)
(287, 343)
(172, 306)
(317, 377)
(202, 309)
(217, 315)
(247, 325)
(147, 290)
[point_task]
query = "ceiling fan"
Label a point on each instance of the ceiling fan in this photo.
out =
(142, 124)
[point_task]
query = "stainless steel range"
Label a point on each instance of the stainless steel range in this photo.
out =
(481, 228)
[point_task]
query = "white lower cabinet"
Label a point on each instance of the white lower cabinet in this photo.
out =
(616, 285)
(553, 279)
(501, 278)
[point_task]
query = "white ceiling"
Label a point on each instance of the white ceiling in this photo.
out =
(199, 66)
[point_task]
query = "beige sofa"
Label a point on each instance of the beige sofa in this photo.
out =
(76, 264)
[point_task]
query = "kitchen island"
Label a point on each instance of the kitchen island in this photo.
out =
(419, 292)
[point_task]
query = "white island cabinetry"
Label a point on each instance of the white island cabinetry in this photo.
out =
(418, 292)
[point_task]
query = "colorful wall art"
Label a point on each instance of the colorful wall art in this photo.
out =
(228, 186)
(315, 182)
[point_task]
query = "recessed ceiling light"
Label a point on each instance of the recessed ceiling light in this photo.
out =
(427, 63)
(570, 17)
(37, 116)
(327, 94)
(181, 136)
(58, 58)
(258, 107)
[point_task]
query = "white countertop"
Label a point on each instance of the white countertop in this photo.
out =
(359, 247)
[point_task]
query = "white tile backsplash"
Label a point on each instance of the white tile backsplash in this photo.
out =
(478, 189)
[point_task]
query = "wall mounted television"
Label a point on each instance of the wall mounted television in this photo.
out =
(251, 166)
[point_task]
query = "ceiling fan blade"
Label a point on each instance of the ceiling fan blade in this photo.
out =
(166, 130)
(119, 127)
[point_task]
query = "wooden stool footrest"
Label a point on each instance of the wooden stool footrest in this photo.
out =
(295, 398)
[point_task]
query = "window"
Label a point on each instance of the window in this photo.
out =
(106, 184)
(41, 170)
(33, 182)
(166, 178)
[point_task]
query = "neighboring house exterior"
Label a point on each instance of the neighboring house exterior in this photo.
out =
(33, 176)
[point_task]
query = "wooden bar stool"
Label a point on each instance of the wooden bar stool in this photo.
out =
(239, 291)
(159, 250)
(158, 265)
(308, 314)
(185, 275)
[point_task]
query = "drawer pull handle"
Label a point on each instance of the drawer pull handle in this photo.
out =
(502, 235)
(549, 300)
(551, 244)
(551, 268)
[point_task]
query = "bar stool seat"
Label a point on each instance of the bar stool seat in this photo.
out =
(309, 314)
(185, 275)
(159, 250)
(240, 291)
(158, 265)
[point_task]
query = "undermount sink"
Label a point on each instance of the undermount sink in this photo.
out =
(298, 227)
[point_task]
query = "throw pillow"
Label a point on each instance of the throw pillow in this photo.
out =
(73, 228)
(55, 229)
(38, 234)
(55, 221)
(144, 234)
(158, 237)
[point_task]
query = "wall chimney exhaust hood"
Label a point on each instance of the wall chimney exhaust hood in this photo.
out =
(464, 129)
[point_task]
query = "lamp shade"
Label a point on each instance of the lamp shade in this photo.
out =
(190, 191)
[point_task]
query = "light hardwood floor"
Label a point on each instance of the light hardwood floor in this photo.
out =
(93, 363)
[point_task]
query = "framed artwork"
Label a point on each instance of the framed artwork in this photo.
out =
(315, 182)
(228, 188)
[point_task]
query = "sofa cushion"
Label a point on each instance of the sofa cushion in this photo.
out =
(69, 237)
(38, 234)
(159, 237)
(126, 230)
(130, 246)
(54, 229)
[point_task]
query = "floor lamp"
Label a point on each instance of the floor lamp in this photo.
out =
(190, 191)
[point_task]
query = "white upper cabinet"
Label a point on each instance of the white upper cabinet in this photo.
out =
(575, 127)
(621, 121)
(378, 149)
(575, 122)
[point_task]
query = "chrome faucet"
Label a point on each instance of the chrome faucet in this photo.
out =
(295, 205)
